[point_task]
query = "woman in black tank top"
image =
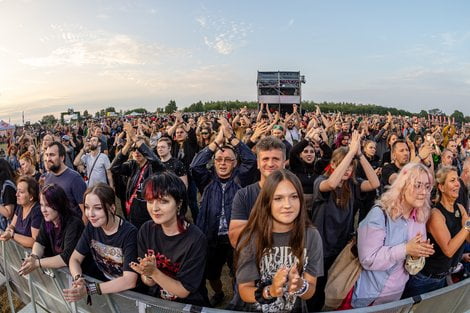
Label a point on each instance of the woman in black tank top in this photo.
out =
(446, 230)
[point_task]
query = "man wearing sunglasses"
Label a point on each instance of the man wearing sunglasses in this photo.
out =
(218, 187)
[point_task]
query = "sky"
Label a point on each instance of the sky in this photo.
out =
(55, 54)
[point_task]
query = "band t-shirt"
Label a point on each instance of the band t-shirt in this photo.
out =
(280, 255)
(181, 257)
(112, 254)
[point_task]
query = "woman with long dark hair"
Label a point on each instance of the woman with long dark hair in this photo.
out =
(308, 160)
(363, 205)
(110, 240)
(279, 254)
(334, 194)
(24, 226)
(172, 251)
(59, 232)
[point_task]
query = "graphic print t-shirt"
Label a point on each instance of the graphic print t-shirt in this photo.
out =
(280, 255)
(181, 257)
(112, 254)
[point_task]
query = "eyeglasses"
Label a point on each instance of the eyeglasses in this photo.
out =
(420, 185)
(204, 133)
(224, 160)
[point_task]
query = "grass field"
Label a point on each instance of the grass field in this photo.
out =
(4, 305)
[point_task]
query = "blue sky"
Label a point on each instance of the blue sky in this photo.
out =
(93, 54)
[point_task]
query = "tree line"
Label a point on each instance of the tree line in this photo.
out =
(307, 106)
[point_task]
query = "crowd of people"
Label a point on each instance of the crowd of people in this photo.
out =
(160, 204)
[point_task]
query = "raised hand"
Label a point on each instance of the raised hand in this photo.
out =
(355, 144)
(261, 128)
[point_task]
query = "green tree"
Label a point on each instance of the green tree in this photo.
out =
(423, 113)
(459, 117)
(171, 107)
(48, 119)
(86, 114)
(435, 112)
(110, 109)
(137, 110)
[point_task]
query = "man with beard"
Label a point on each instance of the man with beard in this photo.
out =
(98, 167)
(70, 180)
(400, 157)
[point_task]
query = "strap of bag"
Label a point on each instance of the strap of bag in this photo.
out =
(92, 167)
(136, 187)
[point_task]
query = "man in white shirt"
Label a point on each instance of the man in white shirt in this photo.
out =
(98, 167)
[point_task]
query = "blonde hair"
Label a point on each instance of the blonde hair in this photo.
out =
(441, 176)
(393, 200)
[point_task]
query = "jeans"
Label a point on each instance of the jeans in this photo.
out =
(420, 283)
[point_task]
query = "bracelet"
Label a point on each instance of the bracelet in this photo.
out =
(267, 289)
(77, 277)
(259, 294)
(358, 157)
(218, 147)
(303, 290)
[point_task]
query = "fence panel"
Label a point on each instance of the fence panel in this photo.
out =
(48, 288)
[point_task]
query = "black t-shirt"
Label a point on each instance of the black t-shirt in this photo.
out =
(181, 257)
(176, 166)
(244, 200)
(62, 242)
(112, 254)
(9, 195)
(387, 171)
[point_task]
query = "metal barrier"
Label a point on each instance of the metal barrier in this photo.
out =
(45, 290)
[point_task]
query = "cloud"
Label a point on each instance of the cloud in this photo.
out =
(103, 16)
(222, 35)
(452, 40)
(79, 47)
(201, 21)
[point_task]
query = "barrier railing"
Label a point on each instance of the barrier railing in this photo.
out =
(45, 290)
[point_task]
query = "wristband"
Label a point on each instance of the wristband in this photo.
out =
(259, 294)
(267, 289)
(77, 277)
(303, 290)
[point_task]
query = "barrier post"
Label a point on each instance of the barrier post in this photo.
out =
(7, 279)
(31, 293)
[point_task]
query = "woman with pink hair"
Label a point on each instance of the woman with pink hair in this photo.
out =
(393, 232)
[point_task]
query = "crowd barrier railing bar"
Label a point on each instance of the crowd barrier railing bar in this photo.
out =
(45, 290)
